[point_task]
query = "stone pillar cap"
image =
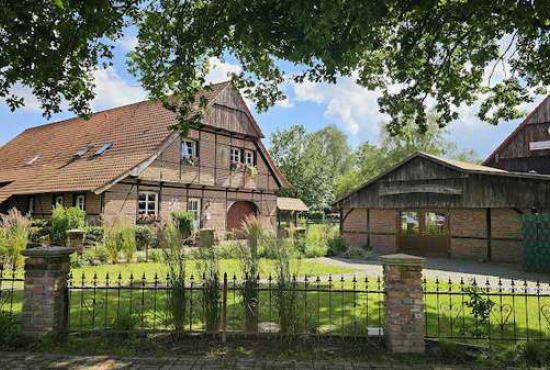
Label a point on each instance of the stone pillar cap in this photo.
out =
(48, 252)
(401, 259)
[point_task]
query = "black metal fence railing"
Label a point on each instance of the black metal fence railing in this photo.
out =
(308, 306)
(11, 292)
(505, 311)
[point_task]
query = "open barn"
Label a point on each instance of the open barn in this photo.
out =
(433, 206)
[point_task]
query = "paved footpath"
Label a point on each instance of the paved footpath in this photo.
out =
(28, 361)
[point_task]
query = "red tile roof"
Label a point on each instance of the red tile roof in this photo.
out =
(137, 130)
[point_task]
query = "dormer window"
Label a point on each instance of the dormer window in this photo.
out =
(235, 155)
(32, 160)
(188, 149)
(103, 149)
(249, 157)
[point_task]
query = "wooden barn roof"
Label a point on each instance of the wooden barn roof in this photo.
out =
(427, 180)
(42, 159)
(291, 204)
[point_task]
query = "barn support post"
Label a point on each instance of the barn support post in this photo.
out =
(404, 323)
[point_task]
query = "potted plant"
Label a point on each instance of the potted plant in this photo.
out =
(75, 239)
(237, 166)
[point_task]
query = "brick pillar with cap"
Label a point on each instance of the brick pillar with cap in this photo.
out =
(404, 323)
(46, 300)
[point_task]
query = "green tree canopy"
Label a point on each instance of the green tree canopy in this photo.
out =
(414, 52)
(311, 162)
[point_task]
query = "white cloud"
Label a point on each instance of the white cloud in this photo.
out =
(220, 70)
(128, 42)
(112, 90)
(347, 103)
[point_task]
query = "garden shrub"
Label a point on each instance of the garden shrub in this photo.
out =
(60, 225)
(76, 261)
(315, 244)
(154, 256)
(229, 250)
(144, 236)
(481, 307)
(356, 252)
(94, 234)
(14, 237)
(535, 354)
(336, 246)
(76, 218)
(9, 327)
(184, 222)
(101, 254)
(112, 244)
(127, 240)
(125, 320)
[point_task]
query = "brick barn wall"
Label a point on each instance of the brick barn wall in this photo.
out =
(355, 227)
(468, 228)
(506, 235)
(383, 226)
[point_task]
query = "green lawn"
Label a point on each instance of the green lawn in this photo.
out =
(301, 267)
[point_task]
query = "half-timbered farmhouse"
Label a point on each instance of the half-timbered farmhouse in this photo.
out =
(440, 207)
(125, 165)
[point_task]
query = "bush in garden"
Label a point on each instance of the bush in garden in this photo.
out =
(127, 240)
(184, 222)
(76, 218)
(9, 327)
(112, 244)
(101, 253)
(144, 236)
(14, 236)
(356, 253)
(154, 256)
(60, 225)
(336, 245)
(94, 234)
(315, 244)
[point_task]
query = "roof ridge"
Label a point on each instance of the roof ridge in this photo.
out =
(66, 120)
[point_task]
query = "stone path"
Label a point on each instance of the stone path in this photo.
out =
(29, 361)
(454, 269)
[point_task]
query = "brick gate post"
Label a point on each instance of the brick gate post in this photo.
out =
(46, 300)
(404, 323)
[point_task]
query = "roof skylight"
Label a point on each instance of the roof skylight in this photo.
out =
(103, 149)
(34, 159)
(80, 152)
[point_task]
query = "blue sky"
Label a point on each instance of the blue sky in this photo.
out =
(345, 105)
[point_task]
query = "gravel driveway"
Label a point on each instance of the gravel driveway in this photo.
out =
(454, 269)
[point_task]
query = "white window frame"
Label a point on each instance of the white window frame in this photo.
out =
(249, 157)
(188, 149)
(147, 211)
(196, 209)
(235, 155)
(80, 201)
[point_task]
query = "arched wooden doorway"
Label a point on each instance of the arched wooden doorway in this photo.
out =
(237, 213)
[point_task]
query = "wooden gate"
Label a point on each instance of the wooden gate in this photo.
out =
(237, 214)
(424, 233)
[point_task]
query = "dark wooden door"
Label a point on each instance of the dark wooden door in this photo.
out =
(423, 233)
(237, 214)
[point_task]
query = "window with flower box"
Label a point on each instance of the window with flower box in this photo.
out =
(147, 206)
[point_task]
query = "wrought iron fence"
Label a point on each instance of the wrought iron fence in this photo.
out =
(11, 291)
(305, 306)
(505, 311)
